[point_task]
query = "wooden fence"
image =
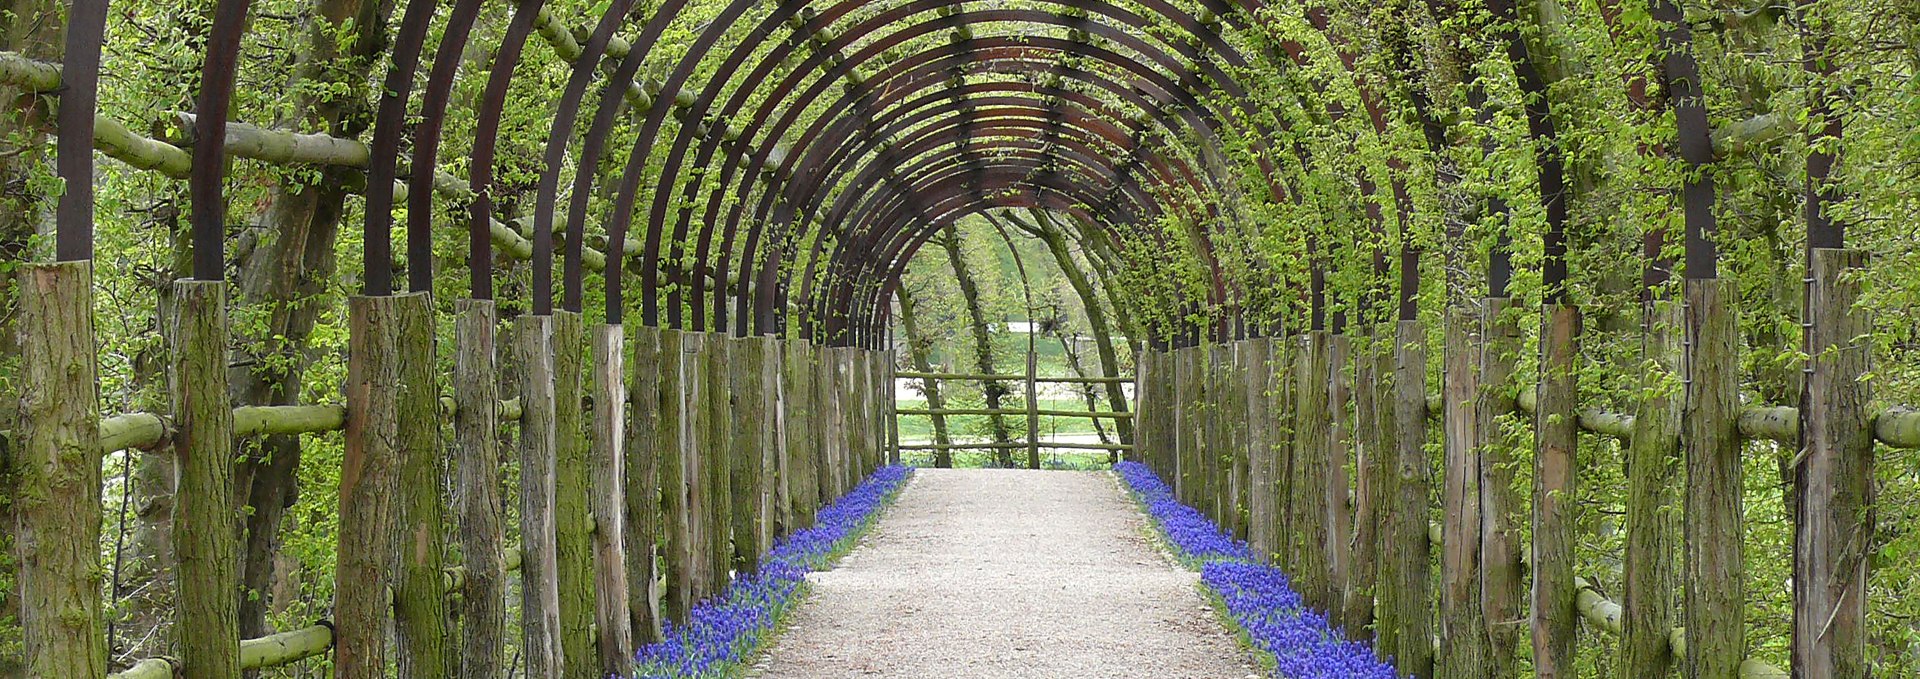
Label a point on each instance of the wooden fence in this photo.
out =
(1032, 411)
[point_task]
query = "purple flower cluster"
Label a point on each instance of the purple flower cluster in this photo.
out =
(1257, 597)
(725, 630)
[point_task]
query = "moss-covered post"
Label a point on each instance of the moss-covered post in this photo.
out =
(826, 420)
(368, 485)
(1339, 526)
(572, 483)
(1463, 633)
(796, 408)
(1500, 509)
(888, 405)
(533, 344)
(695, 454)
(606, 464)
(419, 594)
(1311, 438)
(1554, 622)
(747, 427)
(481, 606)
(1652, 568)
(642, 484)
(773, 512)
(716, 460)
(59, 474)
(670, 435)
(1403, 624)
(1833, 522)
(1369, 468)
(1715, 579)
(1282, 382)
(1180, 434)
(1259, 416)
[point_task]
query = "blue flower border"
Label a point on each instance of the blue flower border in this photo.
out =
(724, 632)
(1257, 597)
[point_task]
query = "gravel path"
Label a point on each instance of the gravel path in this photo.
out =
(1006, 573)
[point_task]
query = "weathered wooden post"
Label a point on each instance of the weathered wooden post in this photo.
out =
(419, 593)
(1369, 469)
(1654, 475)
(747, 428)
(1404, 619)
(539, 585)
(1339, 523)
(796, 405)
(826, 419)
(606, 464)
(1282, 394)
(674, 478)
(891, 406)
(1463, 633)
(1180, 395)
(1554, 623)
(642, 484)
(572, 481)
(1235, 385)
(695, 456)
(1500, 509)
(1259, 417)
(774, 512)
(368, 483)
(59, 475)
(717, 456)
(1312, 435)
(1715, 571)
(1833, 522)
(481, 606)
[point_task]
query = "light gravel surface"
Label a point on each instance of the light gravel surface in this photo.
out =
(1007, 573)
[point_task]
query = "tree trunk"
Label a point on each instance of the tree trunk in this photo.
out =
(919, 350)
(992, 392)
(1715, 572)
(1653, 516)
(1097, 325)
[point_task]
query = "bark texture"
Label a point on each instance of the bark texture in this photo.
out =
(481, 606)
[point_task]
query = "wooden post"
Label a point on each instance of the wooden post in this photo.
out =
(716, 461)
(1555, 623)
(539, 584)
(1033, 412)
(773, 512)
(642, 485)
(1715, 574)
(695, 455)
(675, 509)
(481, 606)
(1212, 439)
(1653, 503)
(419, 595)
(1182, 423)
(890, 398)
(1258, 352)
(58, 505)
(747, 427)
(1463, 640)
(1236, 389)
(803, 478)
(1339, 522)
(1501, 512)
(826, 420)
(1312, 435)
(572, 483)
(606, 464)
(367, 486)
(1282, 389)
(1404, 619)
(1833, 524)
(1369, 468)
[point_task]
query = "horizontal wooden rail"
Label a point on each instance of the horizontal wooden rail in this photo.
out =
(981, 377)
(1014, 411)
(1016, 446)
(145, 430)
(1898, 426)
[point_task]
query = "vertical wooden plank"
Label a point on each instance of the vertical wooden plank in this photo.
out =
(539, 583)
(419, 596)
(695, 423)
(1715, 574)
(1653, 504)
(1463, 631)
(1369, 469)
(716, 459)
(572, 522)
(58, 506)
(644, 454)
(676, 524)
(481, 606)
(607, 469)
(1404, 615)
(1339, 522)
(1312, 435)
(747, 428)
(1500, 510)
(1833, 522)
(1554, 623)
(1260, 501)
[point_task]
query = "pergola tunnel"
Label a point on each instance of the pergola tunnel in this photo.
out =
(1449, 338)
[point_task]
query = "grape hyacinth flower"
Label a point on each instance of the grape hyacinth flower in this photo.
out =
(726, 630)
(1257, 597)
